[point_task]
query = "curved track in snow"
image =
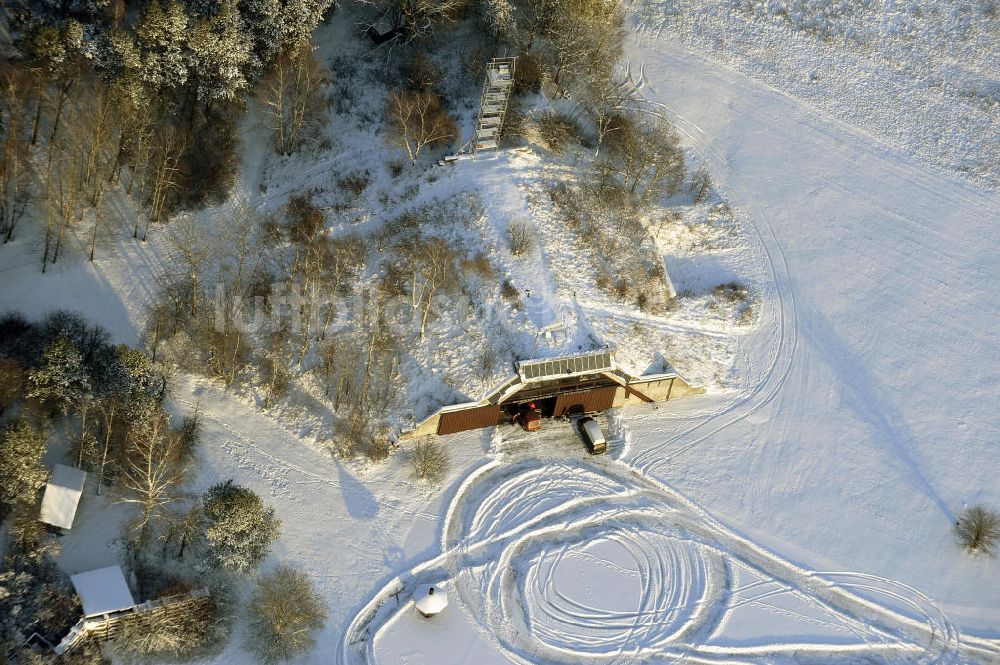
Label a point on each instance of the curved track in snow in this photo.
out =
(520, 540)
(564, 563)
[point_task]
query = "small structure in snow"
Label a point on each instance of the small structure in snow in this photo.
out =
(430, 601)
(102, 591)
(62, 496)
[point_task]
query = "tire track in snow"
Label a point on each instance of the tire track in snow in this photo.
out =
(509, 582)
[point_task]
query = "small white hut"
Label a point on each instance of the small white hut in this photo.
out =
(102, 591)
(62, 496)
(430, 601)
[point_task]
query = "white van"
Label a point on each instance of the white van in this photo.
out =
(592, 435)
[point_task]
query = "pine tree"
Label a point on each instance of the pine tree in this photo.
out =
(62, 380)
(220, 49)
(265, 24)
(284, 610)
(121, 65)
(239, 529)
(300, 18)
(22, 473)
(162, 39)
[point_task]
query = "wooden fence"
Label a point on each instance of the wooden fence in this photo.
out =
(105, 626)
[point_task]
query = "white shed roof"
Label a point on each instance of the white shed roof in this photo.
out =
(430, 600)
(62, 495)
(102, 591)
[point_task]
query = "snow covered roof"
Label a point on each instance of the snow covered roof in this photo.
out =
(102, 591)
(580, 363)
(430, 600)
(62, 495)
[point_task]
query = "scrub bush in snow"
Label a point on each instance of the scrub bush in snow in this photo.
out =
(521, 237)
(978, 530)
(284, 612)
(429, 460)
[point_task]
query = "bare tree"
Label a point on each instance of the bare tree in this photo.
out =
(292, 93)
(152, 471)
(417, 120)
(644, 157)
(190, 250)
(418, 18)
(164, 172)
(15, 165)
(432, 266)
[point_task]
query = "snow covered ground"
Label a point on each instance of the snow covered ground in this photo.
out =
(802, 515)
(921, 76)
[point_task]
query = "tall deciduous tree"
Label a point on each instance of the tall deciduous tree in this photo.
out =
(417, 120)
(292, 92)
(152, 471)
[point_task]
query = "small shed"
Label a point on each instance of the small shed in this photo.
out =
(102, 591)
(430, 601)
(62, 496)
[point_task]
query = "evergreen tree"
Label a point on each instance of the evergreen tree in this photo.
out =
(239, 529)
(220, 49)
(265, 24)
(62, 380)
(35, 596)
(121, 66)
(300, 18)
(162, 40)
(22, 473)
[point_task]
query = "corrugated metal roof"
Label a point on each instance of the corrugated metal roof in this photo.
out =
(581, 363)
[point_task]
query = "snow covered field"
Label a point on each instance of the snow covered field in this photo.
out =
(802, 515)
(920, 76)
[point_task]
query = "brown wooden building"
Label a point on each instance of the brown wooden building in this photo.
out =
(579, 383)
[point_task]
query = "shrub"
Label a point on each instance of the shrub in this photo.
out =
(558, 131)
(732, 292)
(521, 237)
(356, 183)
(478, 265)
(423, 74)
(978, 530)
(529, 73)
(284, 611)
(509, 291)
(429, 460)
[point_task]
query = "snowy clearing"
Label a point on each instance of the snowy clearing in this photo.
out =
(801, 512)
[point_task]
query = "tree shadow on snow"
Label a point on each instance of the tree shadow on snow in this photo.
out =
(866, 397)
(360, 502)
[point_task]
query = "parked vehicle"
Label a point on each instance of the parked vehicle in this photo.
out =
(592, 435)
